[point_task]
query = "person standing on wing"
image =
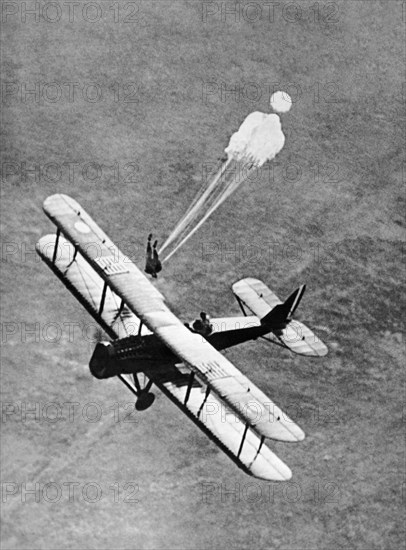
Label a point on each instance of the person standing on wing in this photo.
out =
(153, 264)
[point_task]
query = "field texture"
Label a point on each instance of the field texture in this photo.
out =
(127, 107)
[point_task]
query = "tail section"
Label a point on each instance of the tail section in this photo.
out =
(283, 312)
(276, 316)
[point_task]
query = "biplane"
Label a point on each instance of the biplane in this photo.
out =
(149, 343)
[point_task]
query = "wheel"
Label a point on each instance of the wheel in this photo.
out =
(144, 401)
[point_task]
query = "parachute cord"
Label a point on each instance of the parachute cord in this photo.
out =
(226, 192)
(196, 205)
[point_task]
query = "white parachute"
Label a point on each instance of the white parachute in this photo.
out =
(258, 140)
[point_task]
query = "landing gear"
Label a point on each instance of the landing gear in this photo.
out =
(144, 401)
(145, 398)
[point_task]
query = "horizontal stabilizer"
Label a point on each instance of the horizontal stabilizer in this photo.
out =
(268, 307)
(300, 339)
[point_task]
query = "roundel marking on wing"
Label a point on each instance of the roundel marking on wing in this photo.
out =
(82, 227)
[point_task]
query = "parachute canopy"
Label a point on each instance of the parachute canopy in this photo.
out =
(259, 139)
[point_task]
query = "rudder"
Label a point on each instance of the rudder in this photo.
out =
(282, 312)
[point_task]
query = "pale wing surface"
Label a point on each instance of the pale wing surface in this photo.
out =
(300, 339)
(87, 286)
(256, 296)
(219, 423)
(127, 281)
(246, 450)
(261, 300)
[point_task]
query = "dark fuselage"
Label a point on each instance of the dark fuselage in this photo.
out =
(141, 353)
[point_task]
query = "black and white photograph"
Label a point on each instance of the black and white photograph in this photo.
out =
(203, 220)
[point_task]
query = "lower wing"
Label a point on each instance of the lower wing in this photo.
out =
(234, 437)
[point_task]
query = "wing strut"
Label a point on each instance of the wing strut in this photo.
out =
(189, 386)
(58, 234)
(120, 310)
(259, 449)
(103, 298)
(73, 258)
(140, 328)
(241, 306)
(243, 439)
(208, 389)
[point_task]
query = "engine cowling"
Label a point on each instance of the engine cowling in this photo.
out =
(103, 363)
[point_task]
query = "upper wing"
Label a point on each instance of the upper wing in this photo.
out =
(87, 286)
(261, 300)
(210, 367)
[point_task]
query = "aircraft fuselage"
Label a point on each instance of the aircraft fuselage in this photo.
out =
(141, 353)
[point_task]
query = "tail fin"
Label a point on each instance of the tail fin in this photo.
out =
(280, 313)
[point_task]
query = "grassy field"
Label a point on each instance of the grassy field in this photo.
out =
(127, 117)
